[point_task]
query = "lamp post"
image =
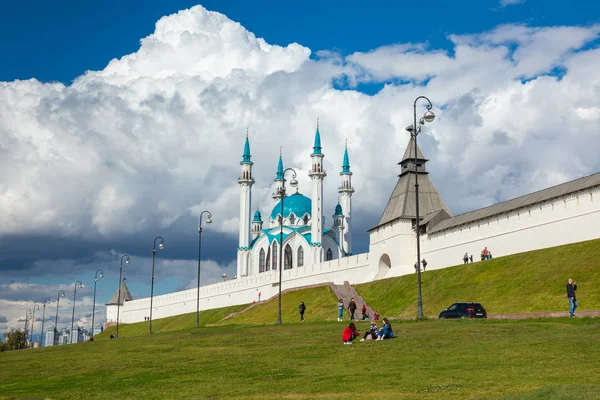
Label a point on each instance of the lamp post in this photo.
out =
(429, 116)
(293, 183)
(27, 315)
(127, 261)
(78, 283)
(161, 246)
(35, 306)
(46, 301)
(208, 221)
(96, 277)
(61, 293)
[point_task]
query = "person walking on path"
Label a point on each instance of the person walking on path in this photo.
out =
(466, 258)
(571, 288)
(301, 309)
(364, 312)
(352, 308)
(340, 309)
(350, 333)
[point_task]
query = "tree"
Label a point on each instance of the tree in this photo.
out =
(15, 340)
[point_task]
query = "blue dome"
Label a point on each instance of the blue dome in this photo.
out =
(257, 216)
(296, 203)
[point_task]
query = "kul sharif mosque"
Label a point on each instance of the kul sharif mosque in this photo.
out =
(305, 239)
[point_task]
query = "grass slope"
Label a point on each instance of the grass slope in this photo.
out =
(526, 359)
(176, 323)
(527, 282)
(321, 305)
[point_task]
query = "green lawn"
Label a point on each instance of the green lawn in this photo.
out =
(527, 282)
(321, 305)
(176, 323)
(525, 359)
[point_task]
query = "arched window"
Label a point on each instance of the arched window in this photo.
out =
(300, 262)
(287, 256)
(292, 219)
(329, 255)
(306, 219)
(268, 259)
(274, 255)
(261, 260)
(279, 220)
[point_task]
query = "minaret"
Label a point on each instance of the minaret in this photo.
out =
(338, 228)
(345, 191)
(317, 174)
(245, 181)
(279, 179)
(257, 224)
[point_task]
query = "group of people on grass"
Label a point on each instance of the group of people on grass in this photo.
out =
(374, 333)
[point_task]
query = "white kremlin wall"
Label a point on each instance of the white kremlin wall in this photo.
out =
(355, 269)
(572, 218)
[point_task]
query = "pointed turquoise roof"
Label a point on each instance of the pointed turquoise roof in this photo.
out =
(279, 176)
(257, 216)
(346, 163)
(317, 145)
(338, 210)
(246, 156)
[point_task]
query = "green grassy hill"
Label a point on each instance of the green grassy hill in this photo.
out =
(527, 282)
(176, 323)
(321, 305)
(526, 359)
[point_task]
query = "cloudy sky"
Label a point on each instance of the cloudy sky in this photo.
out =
(120, 124)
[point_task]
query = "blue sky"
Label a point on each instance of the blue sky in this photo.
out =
(61, 40)
(95, 169)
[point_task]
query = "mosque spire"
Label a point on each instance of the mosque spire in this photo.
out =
(246, 156)
(317, 145)
(346, 163)
(279, 176)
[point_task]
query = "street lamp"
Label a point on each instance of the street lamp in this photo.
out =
(35, 306)
(78, 283)
(127, 261)
(161, 246)
(208, 221)
(96, 277)
(27, 315)
(224, 277)
(429, 116)
(46, 301)
(281, 193)
(61, 293)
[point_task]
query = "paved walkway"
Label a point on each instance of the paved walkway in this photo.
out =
(544, 315)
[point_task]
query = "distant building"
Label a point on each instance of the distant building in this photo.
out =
(51, 337)
(77, 335)
(97, 329)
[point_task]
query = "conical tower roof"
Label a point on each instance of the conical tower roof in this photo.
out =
(402, 202)
(125, 295)
(409, 153)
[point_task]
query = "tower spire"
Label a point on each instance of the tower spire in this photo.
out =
(317, 145)
(346, 162)
(246, 156)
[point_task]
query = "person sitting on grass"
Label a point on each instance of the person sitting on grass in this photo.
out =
(371, 333)
(350, 333)
(386, 330)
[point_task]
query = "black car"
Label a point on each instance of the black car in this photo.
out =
(464, 310)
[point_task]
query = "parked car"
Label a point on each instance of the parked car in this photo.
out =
(464, 310)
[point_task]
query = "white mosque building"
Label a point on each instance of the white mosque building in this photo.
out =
(295, 225)
(315, 255)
